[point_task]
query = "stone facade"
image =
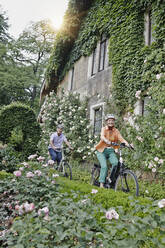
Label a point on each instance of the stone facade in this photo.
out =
(96, 86)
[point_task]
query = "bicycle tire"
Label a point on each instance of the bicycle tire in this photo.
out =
(67, 171)
(95, 176)
(127, 182)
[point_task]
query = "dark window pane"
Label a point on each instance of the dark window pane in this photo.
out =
(94, 63)
(102, 55)
(98, 120)
(72, 76)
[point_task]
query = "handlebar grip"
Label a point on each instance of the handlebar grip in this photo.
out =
(114, 144)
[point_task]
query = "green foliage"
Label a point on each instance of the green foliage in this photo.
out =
(17, 116)
(72, 113)
(23, 62)
(9, 158)
(64, 41)
(72, 210)
(4, 175)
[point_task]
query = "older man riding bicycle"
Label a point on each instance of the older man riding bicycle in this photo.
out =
(106, 150)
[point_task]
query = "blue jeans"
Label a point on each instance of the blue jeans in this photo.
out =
(56, 156)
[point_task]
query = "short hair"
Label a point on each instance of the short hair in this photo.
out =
(60, 126)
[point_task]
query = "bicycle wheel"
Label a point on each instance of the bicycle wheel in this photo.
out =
(127, 182)
(95, 176)
(67, 171)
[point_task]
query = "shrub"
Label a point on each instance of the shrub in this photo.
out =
(19, 127)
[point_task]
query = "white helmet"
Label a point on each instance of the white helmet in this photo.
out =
(109, 116)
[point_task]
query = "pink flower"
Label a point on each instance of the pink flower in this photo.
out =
(112, 214)
(53, 182)
(45, 210)
(94, 191)
(28, 207)
(161, 204)
(29, 174)
(16, 207)
(17, 173)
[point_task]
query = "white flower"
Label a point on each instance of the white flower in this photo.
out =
(94, 191)
(158, 76)
(153, 169)
(147, 192)
(160, 161)
(40, 158)
(29, 174)
(50, 161)
(139, 138)
(164, 111)
(137, 95)
(25, 164)
(150, 165)
(161, 204)
(55, 175)
(38, 172)
(45, 165)
(112, 214)
(156, 159)
(32, 156)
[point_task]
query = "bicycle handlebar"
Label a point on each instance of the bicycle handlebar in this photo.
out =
(122, 145)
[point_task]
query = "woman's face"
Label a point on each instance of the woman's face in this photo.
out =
(110, 122)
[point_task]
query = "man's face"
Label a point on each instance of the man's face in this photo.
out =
(59, 131)
(110, 122)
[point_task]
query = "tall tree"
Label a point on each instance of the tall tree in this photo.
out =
(25, 61)
(31, 51)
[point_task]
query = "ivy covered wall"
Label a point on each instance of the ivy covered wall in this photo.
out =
(123, 23)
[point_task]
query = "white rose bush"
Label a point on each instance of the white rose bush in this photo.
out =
(72, 113)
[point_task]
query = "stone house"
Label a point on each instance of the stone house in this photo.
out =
(92, 75)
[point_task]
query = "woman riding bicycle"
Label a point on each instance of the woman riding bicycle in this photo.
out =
(106, 150)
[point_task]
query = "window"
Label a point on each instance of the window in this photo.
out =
(145, 102)
(102, 53)
(94, 63)
(71, 77)
(98, 112)
(149, 21)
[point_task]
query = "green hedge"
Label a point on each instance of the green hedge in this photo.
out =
(15, 119)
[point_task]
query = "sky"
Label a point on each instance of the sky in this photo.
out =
(21, 12)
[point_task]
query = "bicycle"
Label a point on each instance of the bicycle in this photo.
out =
(124, 179)
(64, 167)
